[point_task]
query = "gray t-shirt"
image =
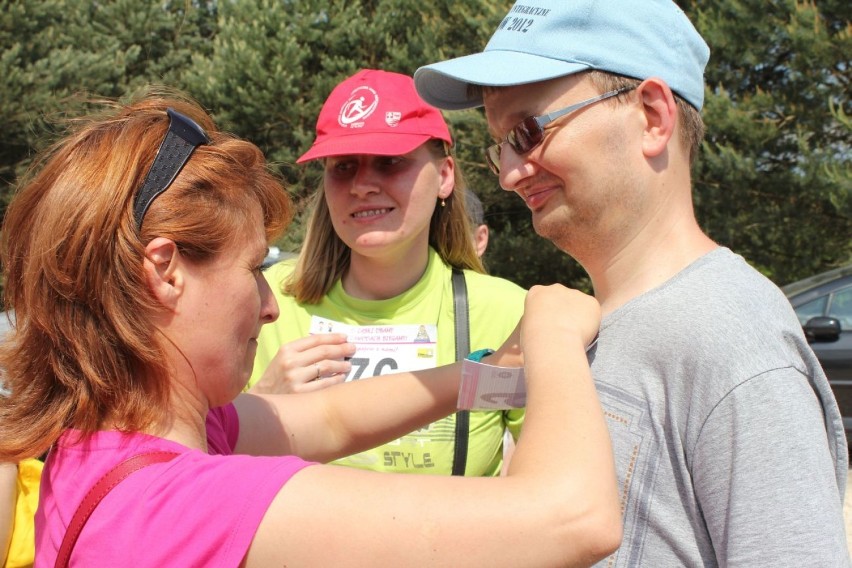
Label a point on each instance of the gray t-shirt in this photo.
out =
(729, 446)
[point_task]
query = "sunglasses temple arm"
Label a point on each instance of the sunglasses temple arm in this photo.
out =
(548, 118)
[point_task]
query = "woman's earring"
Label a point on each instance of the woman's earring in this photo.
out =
(443, 203)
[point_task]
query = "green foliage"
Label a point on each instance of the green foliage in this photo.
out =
(772, 181)
(273, 63)
(58, 53)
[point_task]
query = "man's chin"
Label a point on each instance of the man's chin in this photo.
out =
(545, 225)
(553, 229)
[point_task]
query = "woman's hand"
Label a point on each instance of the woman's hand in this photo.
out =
(554, 313)
(549, 309)
(308, 364)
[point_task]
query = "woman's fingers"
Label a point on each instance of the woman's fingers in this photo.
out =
(307, 364)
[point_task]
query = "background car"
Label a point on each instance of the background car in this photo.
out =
(823, 304)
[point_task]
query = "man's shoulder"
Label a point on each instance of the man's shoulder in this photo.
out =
(730, 284)
(723, 312)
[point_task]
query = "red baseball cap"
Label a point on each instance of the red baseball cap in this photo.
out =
(378, 113)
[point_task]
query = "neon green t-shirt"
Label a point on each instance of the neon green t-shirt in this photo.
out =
(495, 305)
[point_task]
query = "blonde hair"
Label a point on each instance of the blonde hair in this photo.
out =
(85, 353)
(324, 257)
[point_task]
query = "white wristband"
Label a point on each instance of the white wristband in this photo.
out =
(486, 387)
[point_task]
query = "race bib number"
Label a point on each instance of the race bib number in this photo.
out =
(385, 349)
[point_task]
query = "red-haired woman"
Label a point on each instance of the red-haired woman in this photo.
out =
(132, 260)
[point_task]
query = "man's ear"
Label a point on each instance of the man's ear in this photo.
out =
(660, 111)
(162, 273)
(480, 239)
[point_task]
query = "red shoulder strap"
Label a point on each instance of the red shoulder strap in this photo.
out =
(110, 479)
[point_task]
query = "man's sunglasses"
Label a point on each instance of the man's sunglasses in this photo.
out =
(529, 132)
(183, 137)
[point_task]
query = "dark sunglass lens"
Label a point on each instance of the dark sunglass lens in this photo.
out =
(526, 135)
(492, 158)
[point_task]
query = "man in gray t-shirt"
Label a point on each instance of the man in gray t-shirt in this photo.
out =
(728, 443)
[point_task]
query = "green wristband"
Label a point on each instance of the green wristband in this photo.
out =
(478, 355)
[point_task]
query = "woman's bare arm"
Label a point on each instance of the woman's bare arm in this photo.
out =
(558, 504)
(345, 419)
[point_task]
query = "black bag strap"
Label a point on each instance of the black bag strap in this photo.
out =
(462, 322)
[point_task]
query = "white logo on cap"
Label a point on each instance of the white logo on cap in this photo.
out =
(361, 104)
(392, 118)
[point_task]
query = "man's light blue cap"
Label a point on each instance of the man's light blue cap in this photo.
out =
(545, 39)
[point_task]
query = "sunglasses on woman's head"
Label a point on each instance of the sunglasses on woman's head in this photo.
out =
(529, 132)
(181, 140)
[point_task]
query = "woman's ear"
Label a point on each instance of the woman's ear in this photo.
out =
(162, 271)
(448, 177)
(660, 110)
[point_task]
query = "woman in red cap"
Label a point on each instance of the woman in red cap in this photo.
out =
(388, 230)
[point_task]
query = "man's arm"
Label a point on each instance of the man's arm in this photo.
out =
(764, 474)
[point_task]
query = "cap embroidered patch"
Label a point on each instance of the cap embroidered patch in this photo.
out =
(392, 118)
(361, 104)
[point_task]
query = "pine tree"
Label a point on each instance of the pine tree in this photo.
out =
(773, 181)
(59, 54)
(273, 63)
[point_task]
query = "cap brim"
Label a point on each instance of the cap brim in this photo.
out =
(373, 144)
(445, 84)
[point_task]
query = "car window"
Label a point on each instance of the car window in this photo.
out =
(841, 307)
(812, 309)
